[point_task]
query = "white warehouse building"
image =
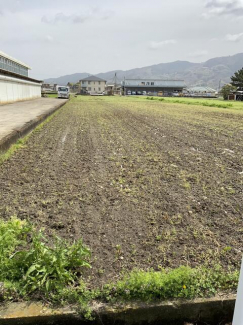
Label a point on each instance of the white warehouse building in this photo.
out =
(15, 85)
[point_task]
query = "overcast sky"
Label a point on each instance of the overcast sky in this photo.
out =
(57, 37)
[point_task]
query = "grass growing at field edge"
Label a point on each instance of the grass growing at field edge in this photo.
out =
(30, 267)
(183, 282)
(193, 102)
(21, 143)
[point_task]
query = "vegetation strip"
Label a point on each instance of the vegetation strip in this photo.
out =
(210, 103)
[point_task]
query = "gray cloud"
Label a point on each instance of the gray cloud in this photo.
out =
(198, 54)
(234, 37)
(61, 17)
(158, 45)
(94, 13)
(226, 7)
(94, 37)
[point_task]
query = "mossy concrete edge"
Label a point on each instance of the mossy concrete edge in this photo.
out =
(201, 310)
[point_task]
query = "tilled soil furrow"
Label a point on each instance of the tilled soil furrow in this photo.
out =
(144, 184)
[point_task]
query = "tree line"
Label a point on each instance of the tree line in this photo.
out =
(235, 84)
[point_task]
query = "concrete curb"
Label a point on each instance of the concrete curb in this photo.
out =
(217, 310)
(12, 137)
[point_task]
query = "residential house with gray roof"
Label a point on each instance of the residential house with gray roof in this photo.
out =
(92, 85)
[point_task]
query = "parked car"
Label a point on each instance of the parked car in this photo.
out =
(63, 92)
(133, 92)
(144, 92)
(129, 92)
(139, 93)
(160, 93)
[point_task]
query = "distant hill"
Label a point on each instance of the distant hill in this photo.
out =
(209, 73)
(63, 80)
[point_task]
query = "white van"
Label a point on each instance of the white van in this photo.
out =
(63, 92)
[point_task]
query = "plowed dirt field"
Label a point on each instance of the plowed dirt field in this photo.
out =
(144, 183)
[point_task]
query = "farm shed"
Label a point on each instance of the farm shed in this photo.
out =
(153, 86)
(15, 85)
(200, 91)
(237, 95)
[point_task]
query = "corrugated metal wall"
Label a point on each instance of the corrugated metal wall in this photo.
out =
(13, 90)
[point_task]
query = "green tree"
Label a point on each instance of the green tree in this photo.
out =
(226, 90)
(237, 79)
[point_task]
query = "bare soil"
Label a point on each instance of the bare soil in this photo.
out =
(145, 184)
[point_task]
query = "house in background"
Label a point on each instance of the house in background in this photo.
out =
(15, 84)
(92, 85)
(45, 87)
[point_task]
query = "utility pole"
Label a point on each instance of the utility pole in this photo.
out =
(115, 82)
(219, 85)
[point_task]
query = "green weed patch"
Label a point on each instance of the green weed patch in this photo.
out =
(29, 264)
(182, 282)
(200, 103)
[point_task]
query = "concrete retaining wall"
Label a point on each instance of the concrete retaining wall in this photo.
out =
(214, 311)
(14, 89)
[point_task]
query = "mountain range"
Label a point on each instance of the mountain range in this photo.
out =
(212, 73)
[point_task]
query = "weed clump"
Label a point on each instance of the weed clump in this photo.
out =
(28, 264)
